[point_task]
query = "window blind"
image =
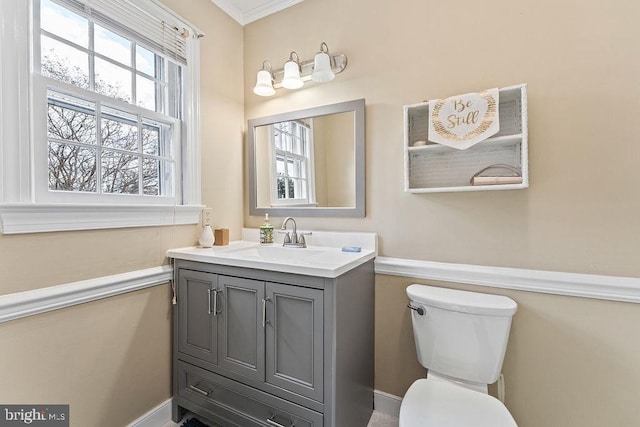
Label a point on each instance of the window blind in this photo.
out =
(130, 19)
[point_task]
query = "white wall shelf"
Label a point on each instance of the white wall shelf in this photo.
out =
(436, 168)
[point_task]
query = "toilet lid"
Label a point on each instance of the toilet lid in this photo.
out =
(437, 403)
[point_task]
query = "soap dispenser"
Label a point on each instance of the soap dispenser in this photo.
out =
(266, 231)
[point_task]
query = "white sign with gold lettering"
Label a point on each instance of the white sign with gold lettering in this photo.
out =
(464, 120)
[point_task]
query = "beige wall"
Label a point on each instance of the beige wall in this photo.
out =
(333, 141)
(320, 161)
(582, 208)
(569, 361)
(263, 166)
(222, 110)
(110, 359)
(32, 261)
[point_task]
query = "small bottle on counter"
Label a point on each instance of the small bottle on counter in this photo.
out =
(207, 239)
(266, 231)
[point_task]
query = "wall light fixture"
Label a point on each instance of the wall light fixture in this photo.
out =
(322, 68)
(292, 79)
(322, 71)
(264, 84)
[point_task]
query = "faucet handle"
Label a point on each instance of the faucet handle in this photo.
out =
(287, 236)
(301, 240)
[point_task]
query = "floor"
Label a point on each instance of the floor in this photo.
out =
(378, 419)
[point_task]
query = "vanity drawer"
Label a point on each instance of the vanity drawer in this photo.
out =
(233, 400)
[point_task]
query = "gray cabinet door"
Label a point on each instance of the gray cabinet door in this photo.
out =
(294, 339)
(240, 331)
(197, 326)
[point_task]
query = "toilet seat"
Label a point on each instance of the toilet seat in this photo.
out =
(436, 403)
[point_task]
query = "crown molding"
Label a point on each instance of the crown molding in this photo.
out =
(244, 17)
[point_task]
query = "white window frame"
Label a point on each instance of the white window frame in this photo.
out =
(22, 208)
(307, 158)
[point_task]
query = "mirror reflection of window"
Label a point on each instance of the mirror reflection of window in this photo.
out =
(292, 171)
(308, 162)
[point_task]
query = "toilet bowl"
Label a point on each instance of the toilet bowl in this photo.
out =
(430, 402)
(461, 338)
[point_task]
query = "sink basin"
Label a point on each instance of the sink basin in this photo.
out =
(275, 253)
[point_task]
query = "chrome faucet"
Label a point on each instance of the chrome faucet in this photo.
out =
(293, 240)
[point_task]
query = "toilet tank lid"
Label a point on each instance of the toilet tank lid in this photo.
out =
(462, 301)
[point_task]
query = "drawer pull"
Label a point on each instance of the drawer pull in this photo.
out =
(271, 422)
(199, 390)
(213, 310)
(215, 302)
(264, 312)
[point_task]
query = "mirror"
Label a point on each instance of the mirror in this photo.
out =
(308, 162)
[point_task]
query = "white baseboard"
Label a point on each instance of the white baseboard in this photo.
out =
(161, 415)
(156, 417)
(386, 403)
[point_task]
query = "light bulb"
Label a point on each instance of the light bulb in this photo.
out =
(292, 78)
(264, 84)
(322, 68)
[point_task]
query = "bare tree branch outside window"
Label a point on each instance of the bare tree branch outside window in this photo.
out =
(73, 147)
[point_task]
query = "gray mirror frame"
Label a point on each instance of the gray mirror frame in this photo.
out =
(357, 106)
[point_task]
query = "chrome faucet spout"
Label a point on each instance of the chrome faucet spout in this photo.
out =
(293, 240)
(286, 221)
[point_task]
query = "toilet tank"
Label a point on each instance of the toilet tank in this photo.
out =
(461, 334)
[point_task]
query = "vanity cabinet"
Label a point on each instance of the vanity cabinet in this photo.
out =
(263, 348)
(198, 333)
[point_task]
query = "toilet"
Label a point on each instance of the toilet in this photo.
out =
(461, 338)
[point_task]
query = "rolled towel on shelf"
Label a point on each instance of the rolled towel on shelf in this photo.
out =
(496, 180)
(477, 179)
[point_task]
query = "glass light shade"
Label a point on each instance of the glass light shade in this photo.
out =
(322, 68)
(264, 85)
(292, 78)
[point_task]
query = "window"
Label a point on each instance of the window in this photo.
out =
(98, 149)
(292, 174)
(112, 144)
(111, 116)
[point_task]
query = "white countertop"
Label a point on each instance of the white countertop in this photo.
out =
(326, 260)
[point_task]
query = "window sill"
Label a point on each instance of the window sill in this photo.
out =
(20, 218)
